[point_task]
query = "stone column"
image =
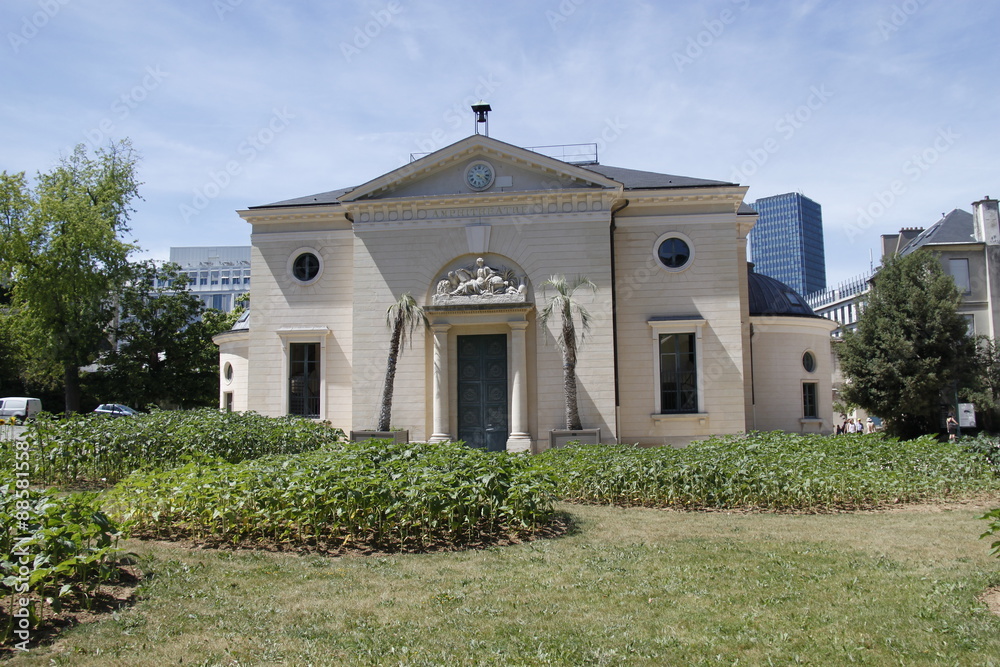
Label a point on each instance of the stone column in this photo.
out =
(440, 383)
(519, 439)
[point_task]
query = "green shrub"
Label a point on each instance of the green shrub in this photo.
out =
(101, 448)
(375, 493)
(993, 530)
(770, 471)
(987, 445)
(53, 549)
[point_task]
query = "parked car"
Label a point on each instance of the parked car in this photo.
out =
(115, 410)
(20, 408)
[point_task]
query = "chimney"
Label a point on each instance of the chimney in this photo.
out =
(893, 243)
(986, 221)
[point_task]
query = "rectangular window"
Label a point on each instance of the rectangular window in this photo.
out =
(229, 401)
(678, 373)
(810, 406)
(959, 270)
(303, 379)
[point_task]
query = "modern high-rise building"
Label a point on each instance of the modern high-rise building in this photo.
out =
(787, 242)
(216, 274)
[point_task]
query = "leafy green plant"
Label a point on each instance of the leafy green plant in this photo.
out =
(53, 549)
(376, 493)
(771, 471)
(994, 529)
(985, 444)
(99, 448)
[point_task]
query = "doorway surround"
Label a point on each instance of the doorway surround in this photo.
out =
(447, 322)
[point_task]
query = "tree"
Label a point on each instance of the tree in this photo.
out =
(163, 352)
(402, 318)
(911, 344)
(985, 394)
(563, 303)
(64, 261)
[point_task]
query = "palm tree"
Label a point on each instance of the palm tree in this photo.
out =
(402, 318)
(563, 303)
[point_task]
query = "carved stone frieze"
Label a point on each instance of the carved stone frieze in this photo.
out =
(479, 284)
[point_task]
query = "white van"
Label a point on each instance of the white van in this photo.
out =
(19, 408)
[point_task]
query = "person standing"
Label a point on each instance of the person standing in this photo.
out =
(952, 425)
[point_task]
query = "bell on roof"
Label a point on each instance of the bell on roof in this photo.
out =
(482, 110)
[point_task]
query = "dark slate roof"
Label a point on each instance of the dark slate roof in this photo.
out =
(242, 323)
(330, 197)
(955, 227)
(773, 297)
(633, 179)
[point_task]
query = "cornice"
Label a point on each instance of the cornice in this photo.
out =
(296, 215)
(732, 195)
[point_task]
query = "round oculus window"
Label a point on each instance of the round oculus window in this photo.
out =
(673, 252)
(228, 372)
(809, 362)
(306, 267)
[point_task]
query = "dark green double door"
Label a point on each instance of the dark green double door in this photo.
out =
(482, 391)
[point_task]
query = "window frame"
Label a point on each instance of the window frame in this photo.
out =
(966, 288)
(814, 386)
(666, 236)
(678, 325)
(293, 258)
(307, 335)
(312, 363)
(809, 354)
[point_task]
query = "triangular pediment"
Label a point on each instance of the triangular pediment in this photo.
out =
(501, 168)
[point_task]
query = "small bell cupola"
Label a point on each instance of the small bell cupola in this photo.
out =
(482, 111)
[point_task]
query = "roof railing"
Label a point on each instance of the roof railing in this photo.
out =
(850, 287)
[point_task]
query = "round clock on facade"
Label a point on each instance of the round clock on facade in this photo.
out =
(479, 175)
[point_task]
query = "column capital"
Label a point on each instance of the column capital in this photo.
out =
(440, 327)
(517, 326)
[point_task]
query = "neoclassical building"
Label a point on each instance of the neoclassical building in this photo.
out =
(686, 340)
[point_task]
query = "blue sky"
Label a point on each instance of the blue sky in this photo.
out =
(883, 112)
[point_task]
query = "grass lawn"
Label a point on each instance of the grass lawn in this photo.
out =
(624, 587)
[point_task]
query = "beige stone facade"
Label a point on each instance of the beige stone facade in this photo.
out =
(326, 268)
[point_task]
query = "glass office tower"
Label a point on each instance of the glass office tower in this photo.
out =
(787, 242)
